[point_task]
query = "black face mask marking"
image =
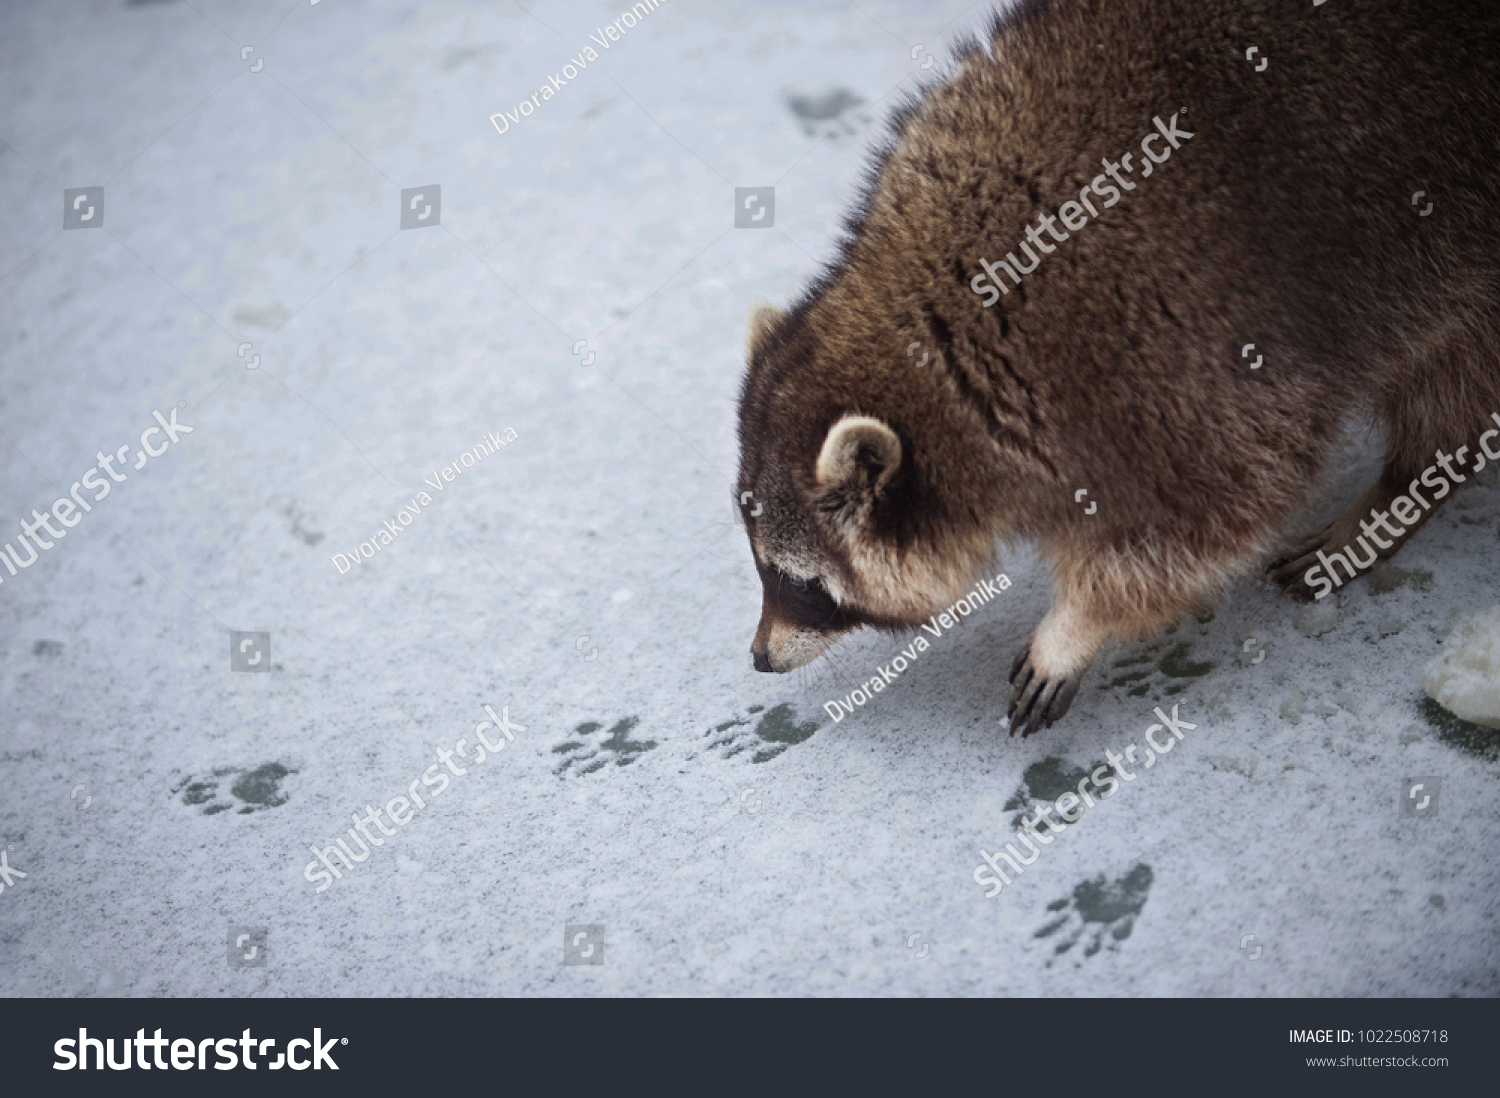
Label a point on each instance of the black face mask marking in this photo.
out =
(805, 603)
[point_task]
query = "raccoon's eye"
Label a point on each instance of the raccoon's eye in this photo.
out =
(798, 584)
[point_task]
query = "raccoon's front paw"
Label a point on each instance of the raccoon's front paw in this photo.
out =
(1037, 698)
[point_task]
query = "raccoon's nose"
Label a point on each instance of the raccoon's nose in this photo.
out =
(761, 658)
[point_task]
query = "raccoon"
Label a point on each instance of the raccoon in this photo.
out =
(931, 398)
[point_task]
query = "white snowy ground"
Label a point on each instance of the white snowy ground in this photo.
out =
(155, 799)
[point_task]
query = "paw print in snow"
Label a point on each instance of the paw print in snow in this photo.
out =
(254, 790)
(1099, 907)
(776, 731)
(585, 755)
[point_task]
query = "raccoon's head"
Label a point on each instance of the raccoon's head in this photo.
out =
(845, 525)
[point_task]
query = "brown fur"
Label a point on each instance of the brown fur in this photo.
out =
(1286, 221)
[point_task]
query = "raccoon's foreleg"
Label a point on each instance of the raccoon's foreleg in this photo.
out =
(1046, 674)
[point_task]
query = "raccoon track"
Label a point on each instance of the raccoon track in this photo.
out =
(586, 755)
(1045, 781)
(1098, 908)
(1174, 664)
(255, 790)
(778, 729)
(293, 512)
(822, 116)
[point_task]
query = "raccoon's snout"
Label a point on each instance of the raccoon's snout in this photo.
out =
(781, 648)
(798, 622)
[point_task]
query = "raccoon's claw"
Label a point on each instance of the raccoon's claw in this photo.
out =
(1289, 570)
(1036, 700)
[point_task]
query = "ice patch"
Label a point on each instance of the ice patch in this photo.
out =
(1465, 677)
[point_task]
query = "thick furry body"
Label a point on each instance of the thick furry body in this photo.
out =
(1286, 220)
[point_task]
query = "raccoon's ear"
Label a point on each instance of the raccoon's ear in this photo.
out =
(858, 448)
(763, 318)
